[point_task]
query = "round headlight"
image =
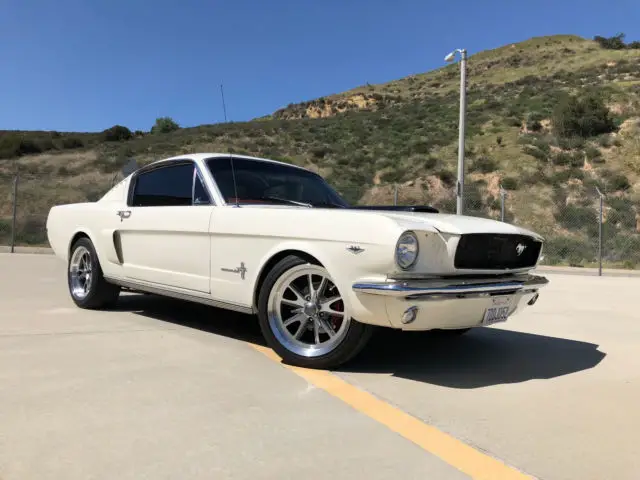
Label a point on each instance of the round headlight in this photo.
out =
(407, 250)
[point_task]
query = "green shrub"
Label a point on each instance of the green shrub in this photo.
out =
(72, 142)
(535, 152)
(617, 182)
(164, 125)
(582, 116)
(447, 177)
(561, 249)
(574, 217)
(430, 163)
(562, 158)
(484, 164)
(621, 213)
(533, 121)
(116, 134)
(510, 183)
(592, 153)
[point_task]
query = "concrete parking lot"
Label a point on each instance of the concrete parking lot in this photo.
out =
(165, 389)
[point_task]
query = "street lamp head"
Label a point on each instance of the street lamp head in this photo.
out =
(452, 55)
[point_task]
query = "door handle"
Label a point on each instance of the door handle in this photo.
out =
(123, 214)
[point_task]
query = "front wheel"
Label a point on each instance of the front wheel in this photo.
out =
(304, 318)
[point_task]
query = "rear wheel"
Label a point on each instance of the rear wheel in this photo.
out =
(304, 318)
(87, 285)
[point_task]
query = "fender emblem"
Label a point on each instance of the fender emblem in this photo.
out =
(242, 270)
(355, 249)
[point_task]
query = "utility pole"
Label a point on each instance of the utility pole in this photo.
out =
(15, 213)
(461, 125)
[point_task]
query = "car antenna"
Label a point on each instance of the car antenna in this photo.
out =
(233, 172)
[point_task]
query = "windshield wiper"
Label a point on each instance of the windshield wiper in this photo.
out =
(328, 205)
(286, 200)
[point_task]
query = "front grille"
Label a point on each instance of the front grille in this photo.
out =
(491, 251)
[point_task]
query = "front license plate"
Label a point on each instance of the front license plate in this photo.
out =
(499, 312)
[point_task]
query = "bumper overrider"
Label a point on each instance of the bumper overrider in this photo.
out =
(452, 302)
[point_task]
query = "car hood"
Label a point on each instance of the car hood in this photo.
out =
(454, 224)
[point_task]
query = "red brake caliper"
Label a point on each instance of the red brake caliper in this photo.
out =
(335, 319)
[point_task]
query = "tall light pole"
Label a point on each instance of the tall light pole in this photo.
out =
(461, 128)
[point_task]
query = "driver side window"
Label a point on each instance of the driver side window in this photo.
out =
(171, 185)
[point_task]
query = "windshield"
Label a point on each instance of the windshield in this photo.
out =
(265, 182)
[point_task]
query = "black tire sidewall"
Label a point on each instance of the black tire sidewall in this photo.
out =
(98, 290)
(355, 339)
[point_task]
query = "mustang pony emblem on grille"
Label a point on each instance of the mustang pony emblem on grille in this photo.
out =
(520, 248)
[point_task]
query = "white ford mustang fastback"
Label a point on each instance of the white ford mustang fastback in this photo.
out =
(273, 239)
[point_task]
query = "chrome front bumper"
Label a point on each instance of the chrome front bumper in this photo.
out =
(457, 287)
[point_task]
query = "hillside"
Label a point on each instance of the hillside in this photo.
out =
(549, 119)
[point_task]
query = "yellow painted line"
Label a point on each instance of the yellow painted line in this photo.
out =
(453, 451)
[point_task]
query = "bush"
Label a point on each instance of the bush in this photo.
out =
(562, 158)
(584, 116)
(72, 142)
(621, 213)
(616, 42)
(14, 145)
(116, 134)
(569, 250)
(484, 164)
(575, 218)
(533, 121)
(571, 143)
(430, 163)
(592, 153)
(534, 152)
(617, 182)
(611, 43)
(447, 177)
(510, 183)
(164, 125)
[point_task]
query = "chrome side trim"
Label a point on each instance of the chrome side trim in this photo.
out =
(156, 290)
(451, 287)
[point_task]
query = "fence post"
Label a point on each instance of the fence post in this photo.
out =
(15, 211)
(600, 232)
(395, 194)
(503, 194)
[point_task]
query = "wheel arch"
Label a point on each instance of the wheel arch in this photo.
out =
(81, 233)
(271, 262)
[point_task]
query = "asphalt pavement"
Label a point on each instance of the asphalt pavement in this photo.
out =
(159, 388)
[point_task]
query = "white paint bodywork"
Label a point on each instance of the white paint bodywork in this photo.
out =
(196, 252)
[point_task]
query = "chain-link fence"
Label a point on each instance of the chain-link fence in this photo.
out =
(591, 230)
(26, 201)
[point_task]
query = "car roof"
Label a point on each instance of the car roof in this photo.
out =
(214, 155)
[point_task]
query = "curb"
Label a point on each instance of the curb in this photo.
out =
(606, 272)
(17, 249)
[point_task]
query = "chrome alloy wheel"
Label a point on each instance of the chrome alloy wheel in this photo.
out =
(80, 270)
(306, 311)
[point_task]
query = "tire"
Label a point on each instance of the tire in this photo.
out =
(278, 303)
(100, 293)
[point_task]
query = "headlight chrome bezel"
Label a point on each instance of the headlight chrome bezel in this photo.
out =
(406, 237)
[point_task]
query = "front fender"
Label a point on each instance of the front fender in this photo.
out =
(344, 267)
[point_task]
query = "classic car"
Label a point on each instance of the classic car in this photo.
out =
(275, 240)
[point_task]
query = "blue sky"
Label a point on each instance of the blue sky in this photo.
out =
(73, 65)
